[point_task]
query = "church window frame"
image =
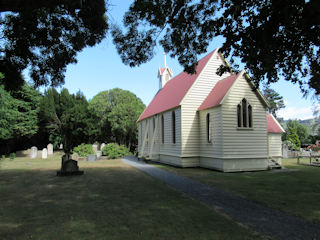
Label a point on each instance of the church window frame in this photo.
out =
(173, 125)
(244, 115)
(208, 128)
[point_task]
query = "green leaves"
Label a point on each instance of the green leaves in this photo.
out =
(118, 111)
(273, 39)
(46, 38)
(275, 100)
(19, 112)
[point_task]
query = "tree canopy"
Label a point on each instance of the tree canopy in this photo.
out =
(19, 112)
(67, 118)
(45, 36)
(272, 38)
(118, 111)
(275, 100)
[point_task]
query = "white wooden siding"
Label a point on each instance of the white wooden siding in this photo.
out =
(191, 102)
(213, 149)
(244, 143)
(274, 145)
(168, 147)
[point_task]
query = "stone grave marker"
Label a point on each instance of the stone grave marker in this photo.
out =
(95, 147)
(44, 153)
(69, 167)
(50, 149)
(75, 156)
(102, 146)
(99, 154)
(33, 152)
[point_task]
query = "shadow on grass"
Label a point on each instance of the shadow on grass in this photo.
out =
(110, 201)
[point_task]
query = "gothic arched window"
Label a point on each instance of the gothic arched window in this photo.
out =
(244, 114)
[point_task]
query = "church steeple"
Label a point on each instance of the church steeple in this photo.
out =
(164, 74)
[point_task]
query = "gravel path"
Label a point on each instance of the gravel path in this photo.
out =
(267, 221)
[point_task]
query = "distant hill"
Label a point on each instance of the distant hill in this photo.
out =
(312, 124)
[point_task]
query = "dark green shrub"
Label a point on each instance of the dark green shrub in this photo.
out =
(3, 157)
(113, 150)
(12, 156)
(83, 150)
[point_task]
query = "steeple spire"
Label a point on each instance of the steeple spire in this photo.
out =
(165, 73)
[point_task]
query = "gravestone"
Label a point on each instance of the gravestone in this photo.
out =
(95, 147)
(102, 146)
(50, 149)
(75, 156)
(61, 146)
(91, 158)
(99, 153)
(285, 151)
(33, 152)
(44, 153)
(69, 167)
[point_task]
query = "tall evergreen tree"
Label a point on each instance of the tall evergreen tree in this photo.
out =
(275, 100)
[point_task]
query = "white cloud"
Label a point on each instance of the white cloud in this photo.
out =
(296, 112)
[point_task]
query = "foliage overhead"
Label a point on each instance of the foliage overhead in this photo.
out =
(275, 100)
(45, 36)
(272, 38)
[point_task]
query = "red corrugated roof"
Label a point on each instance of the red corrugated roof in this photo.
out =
(173, 92)
(272, 125)
(218, 92)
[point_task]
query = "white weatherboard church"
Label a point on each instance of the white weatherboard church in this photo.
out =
(210, 121)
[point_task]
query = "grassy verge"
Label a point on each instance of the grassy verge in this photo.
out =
(296, 191)
(110, 201)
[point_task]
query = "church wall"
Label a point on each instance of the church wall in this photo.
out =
(168, 147)
(213, 149)
(244, 143)
(275, 146)
(193, 99)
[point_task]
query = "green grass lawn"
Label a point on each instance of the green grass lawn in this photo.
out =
(296, 192)
(110, 201)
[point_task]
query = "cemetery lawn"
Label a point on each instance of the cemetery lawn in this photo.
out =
(110, 201)
(296, 191)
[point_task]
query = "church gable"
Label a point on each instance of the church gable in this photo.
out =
(173, 92)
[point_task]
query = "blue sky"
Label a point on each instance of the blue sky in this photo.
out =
(100, 68)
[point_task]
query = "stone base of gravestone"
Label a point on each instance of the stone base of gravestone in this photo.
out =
(92, 158)
(69, 167)
(23, 153)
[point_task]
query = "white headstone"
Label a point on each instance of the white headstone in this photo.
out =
(285, 151)
(61, 146)
(102, 146)
(98, 153)
(95, 148)
(50, 149)
(44, 153)
(75, 156)
(33, 152)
